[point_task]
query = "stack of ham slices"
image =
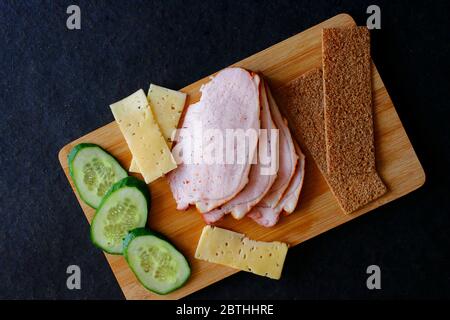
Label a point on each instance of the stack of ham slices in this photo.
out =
(236, 99)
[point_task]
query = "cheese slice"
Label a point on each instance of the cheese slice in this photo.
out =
(143, 136)
(233, 249)
(167, 106)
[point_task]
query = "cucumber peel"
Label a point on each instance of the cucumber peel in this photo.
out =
(156, 263)
(124, 207)
(93, 171)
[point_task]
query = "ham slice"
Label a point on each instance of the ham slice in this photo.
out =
(260, 181)
(229, 101)
(290, 200)
(267, 211)
(287, 159)
(267, 216)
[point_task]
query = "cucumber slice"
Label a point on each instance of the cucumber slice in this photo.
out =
(93, 171)
(124, 208)
(157, 264)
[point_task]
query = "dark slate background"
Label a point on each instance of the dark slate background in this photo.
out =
(56, 85)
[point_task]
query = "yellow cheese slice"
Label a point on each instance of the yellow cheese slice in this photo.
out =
(133, 166)
(233, 249)
(143, 136)
(167, 106)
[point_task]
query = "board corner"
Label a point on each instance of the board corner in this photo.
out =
(62, 154)
(346, 16)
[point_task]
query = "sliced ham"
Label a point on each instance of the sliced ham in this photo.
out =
(267, 216)
(290, 201)
(267, 211)
(229, 101)
(260, 181)
(287, 158)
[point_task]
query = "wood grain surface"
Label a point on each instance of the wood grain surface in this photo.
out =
(317, 210)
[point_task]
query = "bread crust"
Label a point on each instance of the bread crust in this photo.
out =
(302, 102)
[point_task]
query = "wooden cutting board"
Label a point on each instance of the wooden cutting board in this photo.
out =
(317, 211)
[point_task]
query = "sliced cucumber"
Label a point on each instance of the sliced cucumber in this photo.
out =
(93, 171)
(157, 264)
(124, 208)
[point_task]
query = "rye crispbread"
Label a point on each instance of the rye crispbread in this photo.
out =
(302, 100)
(348, 115)
(348, 100)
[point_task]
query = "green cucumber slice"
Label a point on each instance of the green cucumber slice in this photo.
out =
(157, 264)
(124, 208)
(93, 171)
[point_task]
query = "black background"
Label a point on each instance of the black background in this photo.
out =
(56, 85)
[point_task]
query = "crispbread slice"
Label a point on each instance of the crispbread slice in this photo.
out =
(348, 100)
(302, 102)
(356, 190)
(348, 115)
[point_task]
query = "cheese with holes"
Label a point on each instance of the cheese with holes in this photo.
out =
(233, 249)
(167, 106)
(143, 136)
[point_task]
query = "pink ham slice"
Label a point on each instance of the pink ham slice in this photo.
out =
(260, 182)
(290, 200)
(288, 157)
(267, 216)
(287, 161)
(229, 101)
